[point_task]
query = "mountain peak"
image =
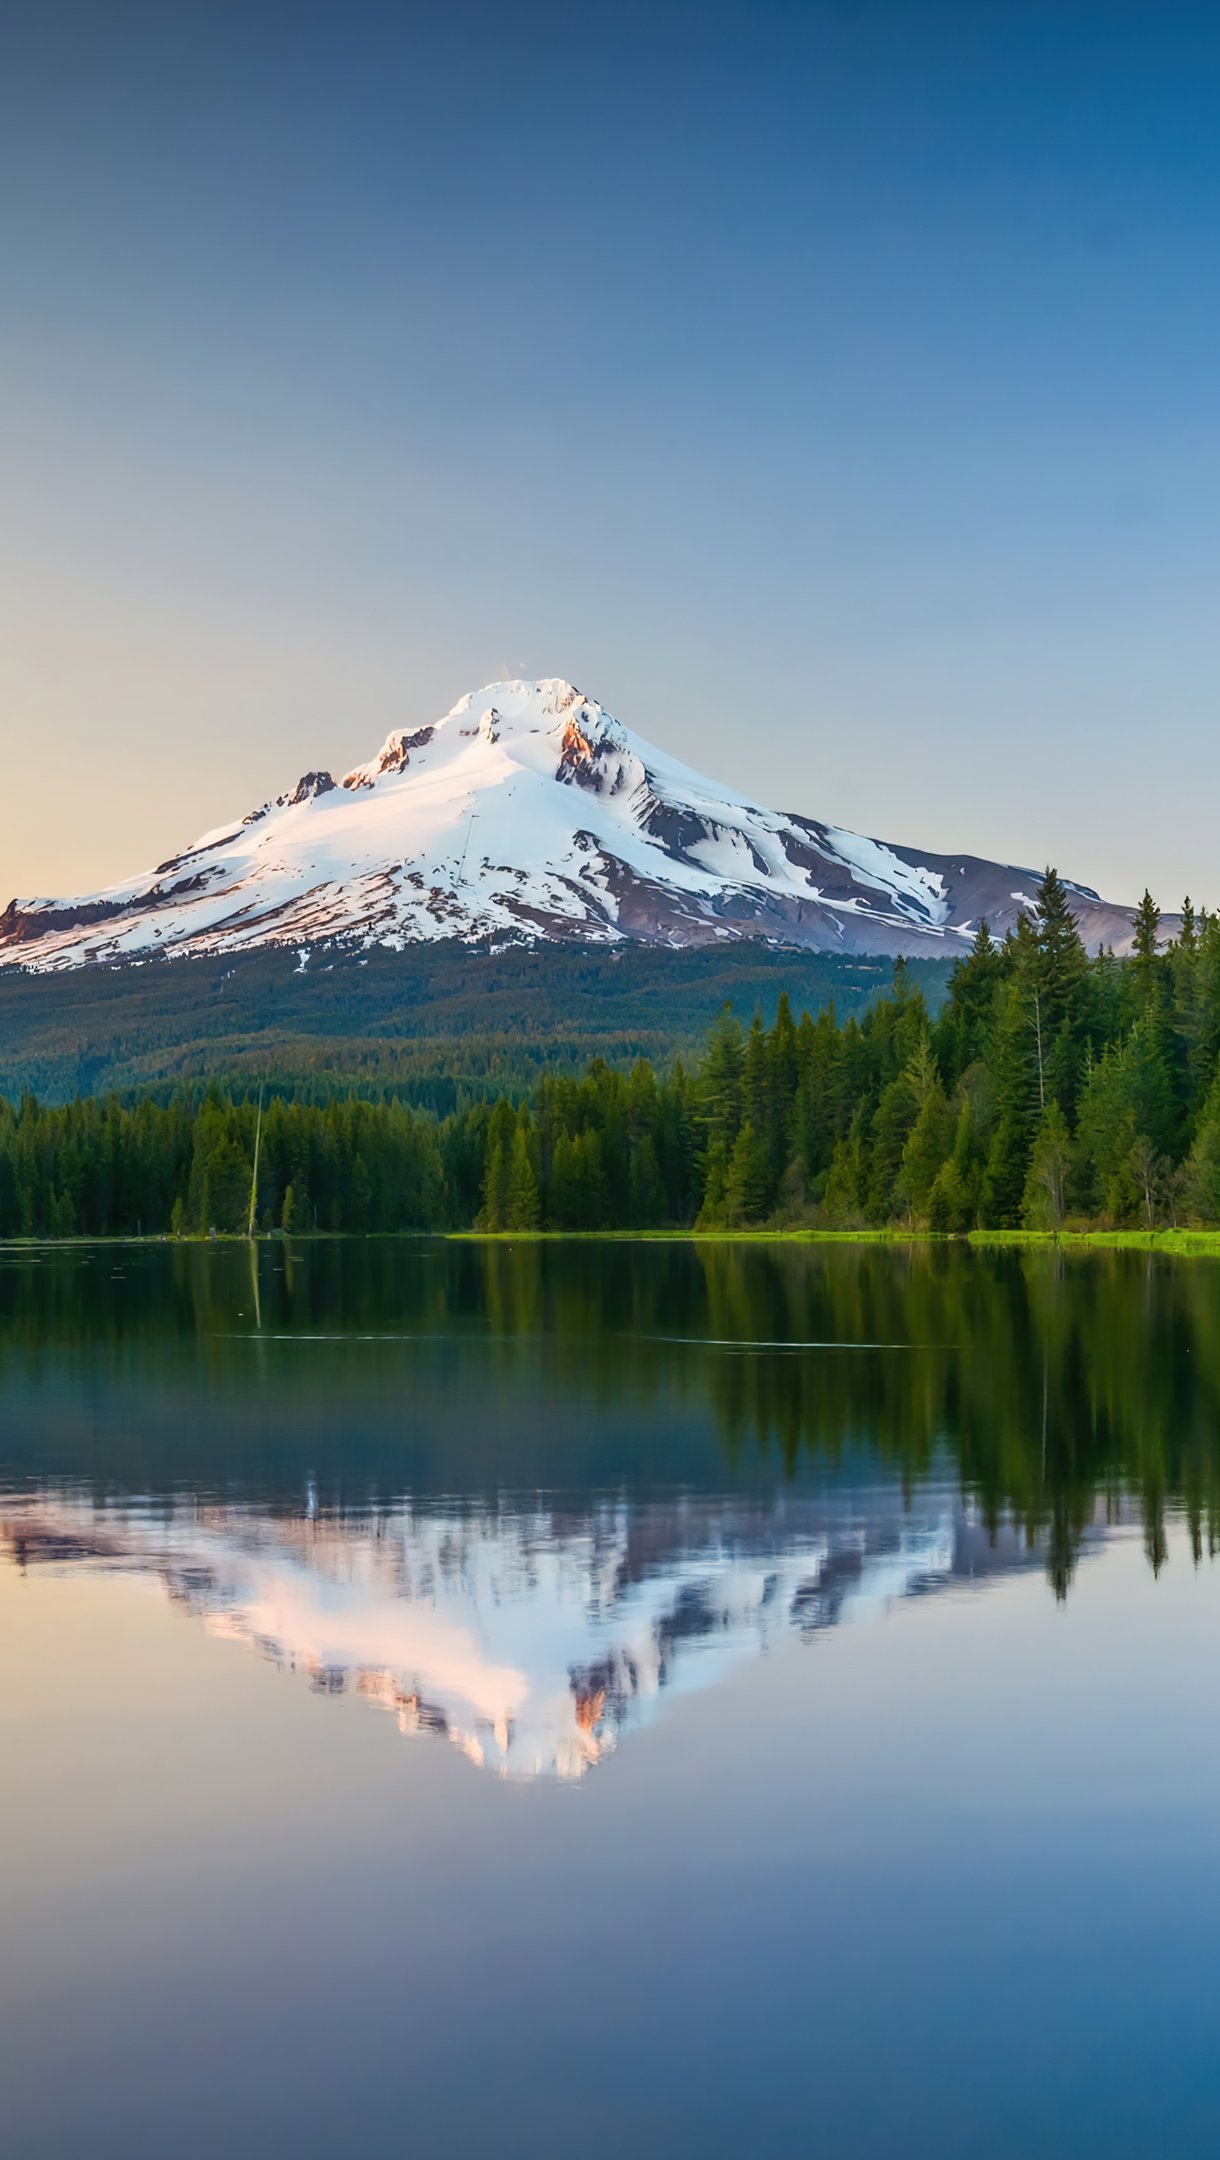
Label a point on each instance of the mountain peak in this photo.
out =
(529, 811)
(500, 711)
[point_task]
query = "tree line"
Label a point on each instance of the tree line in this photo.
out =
(1052, 1089)
(435, 1025)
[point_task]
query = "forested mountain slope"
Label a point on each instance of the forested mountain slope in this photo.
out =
(436, 1024)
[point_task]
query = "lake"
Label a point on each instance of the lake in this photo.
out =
(628, 1697)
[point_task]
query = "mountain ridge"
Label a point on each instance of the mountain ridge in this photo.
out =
(528, 812)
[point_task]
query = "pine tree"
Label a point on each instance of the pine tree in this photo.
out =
(843, 1203)
(756, 1078)
(1146, 969)
(63, 1222)
(1018, 1086)
(1207, 968)
(783, 1069)
(360, 1204)
(712, 1210)
(720, 1081)
(927, 1149)
(761, 1115)
(1201, 1171)
(963, 1029)
(1150, 1176)
(817, 1117)
(566, 1195)
(296, 1216)
(224, 1187)
(1188, 1015)
(888, 1136)
(676, 1146)
(501, 1132)
(1058, 974)
(950, 1207)
(748, 1187)
(1050, 1167)
(647, 1190)
(522, 1207)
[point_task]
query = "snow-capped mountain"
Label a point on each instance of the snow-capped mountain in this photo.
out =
(528, 811)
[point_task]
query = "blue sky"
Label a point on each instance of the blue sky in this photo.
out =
(830, 389)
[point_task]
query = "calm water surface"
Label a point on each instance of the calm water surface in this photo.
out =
(670, 1699)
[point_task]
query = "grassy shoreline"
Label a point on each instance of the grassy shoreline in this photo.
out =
(1192, 1243)
(1172, 1241)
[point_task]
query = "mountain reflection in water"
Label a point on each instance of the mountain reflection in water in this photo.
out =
(819, 1640)
(530, 1639)
(521, 1495)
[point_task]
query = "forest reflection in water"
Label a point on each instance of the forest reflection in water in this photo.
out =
(803, 1590)
(510, 1491)
(1050, 1382)
(515, 1493)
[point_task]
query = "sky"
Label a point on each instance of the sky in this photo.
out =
(832, 390)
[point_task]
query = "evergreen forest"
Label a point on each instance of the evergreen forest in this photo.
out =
(1052, 1090)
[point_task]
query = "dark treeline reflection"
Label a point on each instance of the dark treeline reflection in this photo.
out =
(1052, 1385)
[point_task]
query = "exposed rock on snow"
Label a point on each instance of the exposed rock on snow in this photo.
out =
(528, 811)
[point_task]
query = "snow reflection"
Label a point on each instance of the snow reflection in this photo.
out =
(534, 1638)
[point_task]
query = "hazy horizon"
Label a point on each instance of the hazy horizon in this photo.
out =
(828, 391)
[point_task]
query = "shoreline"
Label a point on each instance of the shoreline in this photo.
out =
(1190, 1243)
(1187, 1242)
